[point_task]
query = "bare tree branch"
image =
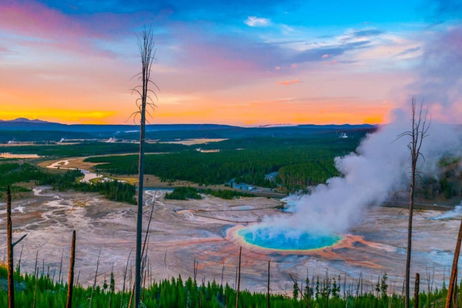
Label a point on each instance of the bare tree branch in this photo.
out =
(143, 102)
(418, 132)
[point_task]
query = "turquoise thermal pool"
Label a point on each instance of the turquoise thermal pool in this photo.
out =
(271, 238)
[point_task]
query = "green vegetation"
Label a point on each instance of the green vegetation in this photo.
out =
(299, 176)
(299, 162)
(447, 184)
(112, 190)
(185, 193)
(226, 193)
(43, 292)
(14, 174)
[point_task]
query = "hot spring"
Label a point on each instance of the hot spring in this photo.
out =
(287, 239)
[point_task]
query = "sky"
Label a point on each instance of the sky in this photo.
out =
(236, 62)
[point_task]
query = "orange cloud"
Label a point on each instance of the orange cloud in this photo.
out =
(288, 82)
(270, 112)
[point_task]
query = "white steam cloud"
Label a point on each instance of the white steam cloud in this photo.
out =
(380, 165)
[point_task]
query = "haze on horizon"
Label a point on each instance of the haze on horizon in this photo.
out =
(245, 63)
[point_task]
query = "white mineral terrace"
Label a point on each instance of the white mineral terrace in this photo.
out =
(182, 231)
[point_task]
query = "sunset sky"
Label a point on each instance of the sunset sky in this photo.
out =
(235, 62)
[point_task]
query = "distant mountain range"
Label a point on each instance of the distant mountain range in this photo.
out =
(24, 124)
(23, 129)
(24, 120)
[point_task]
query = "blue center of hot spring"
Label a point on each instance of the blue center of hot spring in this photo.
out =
(272, 238)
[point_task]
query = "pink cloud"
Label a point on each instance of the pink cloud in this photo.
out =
(36, 25)
(36, 20)
(225, 52)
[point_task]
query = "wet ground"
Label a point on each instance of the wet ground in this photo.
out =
(204, 231)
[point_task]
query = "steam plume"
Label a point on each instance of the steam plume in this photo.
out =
(381, 163)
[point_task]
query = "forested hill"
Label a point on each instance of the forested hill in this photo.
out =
(36, 130)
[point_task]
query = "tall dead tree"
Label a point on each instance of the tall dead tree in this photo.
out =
(70, 281)
(10, 248)
(143, 102)
(268, 285)
(417, 133)
(239, 278)
(455, 263)
(9, 244)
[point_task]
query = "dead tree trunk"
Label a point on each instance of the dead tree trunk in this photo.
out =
(455, 304)
(416, 290)
(9, 244)
(238, 278)
(70, 281)
(417, 133)
(268, 285)
(222, 273)
(146, 48)
(455, 263)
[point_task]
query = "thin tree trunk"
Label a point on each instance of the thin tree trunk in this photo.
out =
(419, 130)
(36, 269)
(195, 270)
(139, 219)
(146, 49)
(143, 254)
(222, 273)
(238, 278)
(454, 298)
(18, 267)
(70, 281)
(268, 285)
(455, 262)
(409, 239)
(125, 271)
(60, 267)
(94, 280)
(9, 243)
(416, 290)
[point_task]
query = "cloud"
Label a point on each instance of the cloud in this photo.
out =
(367, 33)
(327, 52)
(408, 51)
(253, 21)
(32, 24)
(288, 82)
